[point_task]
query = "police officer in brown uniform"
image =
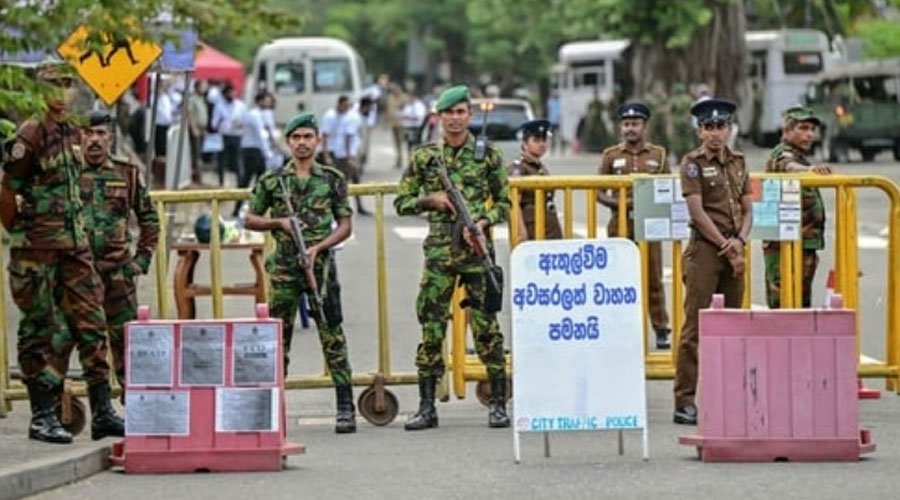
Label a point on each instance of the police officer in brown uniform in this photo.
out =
(634, 155)
(715, 184)
(534, 146)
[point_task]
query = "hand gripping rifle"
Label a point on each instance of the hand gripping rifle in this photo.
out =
(494, 294)
(305, 264)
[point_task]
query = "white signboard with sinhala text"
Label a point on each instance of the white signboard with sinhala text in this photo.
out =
(578, 360)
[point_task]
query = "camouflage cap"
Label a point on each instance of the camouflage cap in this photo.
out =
(800, 113)
(305, 120)
(49, 69)
(452, 97)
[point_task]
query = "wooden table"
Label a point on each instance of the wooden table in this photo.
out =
(186, 290)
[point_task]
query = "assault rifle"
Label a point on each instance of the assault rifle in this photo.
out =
(494, 296)
(305, 264)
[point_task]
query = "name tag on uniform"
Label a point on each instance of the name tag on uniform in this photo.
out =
(652, 165)
(116, 184)
(710, 172)
(619, 163)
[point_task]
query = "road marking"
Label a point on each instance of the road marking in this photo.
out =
(501, 233)
(871, 242)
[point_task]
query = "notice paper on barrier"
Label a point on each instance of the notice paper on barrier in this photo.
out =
(255, 353)
(157, 413)
(151, 351)
(577, 338)
(246, 410)
(202, 355)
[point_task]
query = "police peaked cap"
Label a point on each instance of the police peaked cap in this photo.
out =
(713, 111)
(633, 110)
(535, 128)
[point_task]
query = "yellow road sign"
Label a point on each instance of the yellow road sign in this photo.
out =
(111, 71)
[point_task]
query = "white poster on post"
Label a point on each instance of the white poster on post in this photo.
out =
(578, 361)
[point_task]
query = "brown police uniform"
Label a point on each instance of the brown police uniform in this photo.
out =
(524, 167)
(721, 179)
(649, 159)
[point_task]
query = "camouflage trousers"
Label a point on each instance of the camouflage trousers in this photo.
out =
(59, 296)
(433, 309)
(288, 285)
(772, 256)
(120, 307)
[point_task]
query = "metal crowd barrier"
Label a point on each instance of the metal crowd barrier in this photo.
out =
(380, 407)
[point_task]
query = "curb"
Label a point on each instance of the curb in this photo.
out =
(39, 475)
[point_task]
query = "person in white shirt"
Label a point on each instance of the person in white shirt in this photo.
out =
(164, 117)
(275, 158)
(254, 145)
(414, 112)
(346, 145)
(330, 128)
(366, 110)
(227, 120)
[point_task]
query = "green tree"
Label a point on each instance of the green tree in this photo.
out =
(42, 26)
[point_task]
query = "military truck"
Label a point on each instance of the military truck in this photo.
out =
(859, 104)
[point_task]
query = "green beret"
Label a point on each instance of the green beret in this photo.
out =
(305, 120)
(451, 97)
(801, 114)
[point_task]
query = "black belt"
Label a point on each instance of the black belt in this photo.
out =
(697, 235)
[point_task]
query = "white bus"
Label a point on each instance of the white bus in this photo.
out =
(586, 70)
(780, 65)
(305, 73)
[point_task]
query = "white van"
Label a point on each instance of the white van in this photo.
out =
(305, 73)
(780, 66)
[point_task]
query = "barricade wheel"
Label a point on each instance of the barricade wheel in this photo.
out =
(483, 391)
(77, 417)
(367, 405)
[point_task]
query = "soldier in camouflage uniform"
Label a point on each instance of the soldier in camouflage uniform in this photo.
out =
(51, 274)
(319, 196)
(798, 134)
(112, 188)
(682, 137)
(534, 145)
(447, 257)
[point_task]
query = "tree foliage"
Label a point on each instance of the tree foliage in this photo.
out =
(33, 25)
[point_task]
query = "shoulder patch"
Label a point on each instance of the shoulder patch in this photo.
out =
(691, 170)
(18, 151)
(333, 171)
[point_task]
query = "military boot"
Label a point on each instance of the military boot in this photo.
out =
(426, 417)
(104, 421)
(345, 421)
(497, 417)
(45, 426)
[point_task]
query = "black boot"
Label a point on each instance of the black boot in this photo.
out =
(426, 417)
(345, 421)
(662, 337)
(45, 426)
(104, 421)
(497, 417)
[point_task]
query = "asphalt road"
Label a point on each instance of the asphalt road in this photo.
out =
(464, 459)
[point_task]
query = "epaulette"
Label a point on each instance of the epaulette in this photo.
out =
(612, 149)
(122, 160)
(333, 171)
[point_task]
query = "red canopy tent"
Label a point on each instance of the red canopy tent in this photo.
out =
(214, 65)
(210, 64)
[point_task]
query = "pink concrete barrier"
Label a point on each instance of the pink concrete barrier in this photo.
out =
(778, 385)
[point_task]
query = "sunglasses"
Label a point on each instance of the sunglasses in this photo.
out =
(63, 83)
(714, 126)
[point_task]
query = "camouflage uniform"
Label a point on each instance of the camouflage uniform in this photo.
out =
(683, 137)
(51, 273)
(319, 200)
(813, 229)
(110, 192)
(447, 256)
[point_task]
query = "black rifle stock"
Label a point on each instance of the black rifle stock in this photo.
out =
(302, 258)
